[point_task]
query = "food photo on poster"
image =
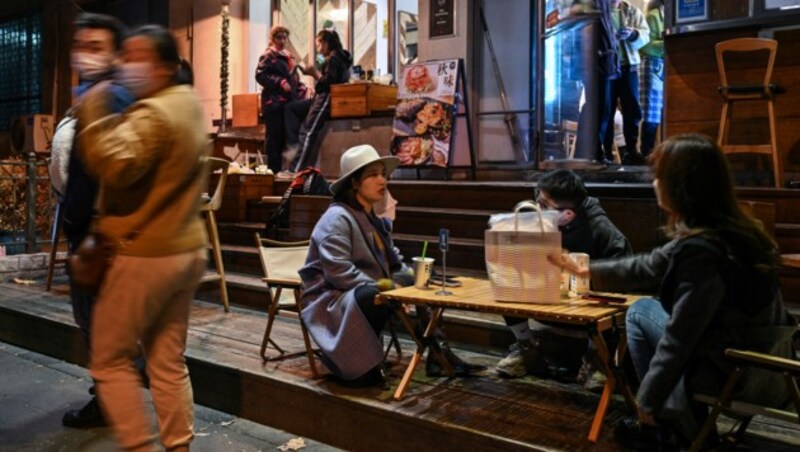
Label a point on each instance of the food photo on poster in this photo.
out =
(423, 120)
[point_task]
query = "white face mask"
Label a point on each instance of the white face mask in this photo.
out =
(137, 77)
(90, 66)
(565, 217)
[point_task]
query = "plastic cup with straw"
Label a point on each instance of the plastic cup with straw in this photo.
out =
(423, 266)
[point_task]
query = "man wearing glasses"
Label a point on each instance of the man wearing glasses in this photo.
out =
(585, 228)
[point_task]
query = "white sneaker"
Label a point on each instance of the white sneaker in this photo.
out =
(285, 174)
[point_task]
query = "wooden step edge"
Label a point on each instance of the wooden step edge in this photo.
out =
(787, 229)
(254, 225)
(243, 249)
(435, 239)
(441, 211)
(747, 148)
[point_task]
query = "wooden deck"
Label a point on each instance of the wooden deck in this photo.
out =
(482, 413)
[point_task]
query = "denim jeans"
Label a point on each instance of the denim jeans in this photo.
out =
(644, 323)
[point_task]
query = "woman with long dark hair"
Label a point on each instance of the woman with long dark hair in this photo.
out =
(719, 290)
(305, 118)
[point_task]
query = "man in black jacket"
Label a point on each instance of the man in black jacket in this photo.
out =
(585, 228)
(305, 118)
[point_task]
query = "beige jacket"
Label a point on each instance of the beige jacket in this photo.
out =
(152, 168)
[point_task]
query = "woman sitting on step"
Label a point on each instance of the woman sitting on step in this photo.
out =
(351, 259)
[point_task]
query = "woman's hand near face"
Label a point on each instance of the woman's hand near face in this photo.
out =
(285, 85)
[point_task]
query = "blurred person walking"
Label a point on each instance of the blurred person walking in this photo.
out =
(94, 55)
(152, 168)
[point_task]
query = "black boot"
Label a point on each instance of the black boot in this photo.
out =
(439, 343)
(460, 367)
(89, 416)
(634, 435)
(374, 377)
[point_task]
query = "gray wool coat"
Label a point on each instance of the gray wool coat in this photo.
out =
(342, 256)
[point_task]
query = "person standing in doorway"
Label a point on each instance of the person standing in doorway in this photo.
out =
(651, 73)
(632, 33)
(151, 163)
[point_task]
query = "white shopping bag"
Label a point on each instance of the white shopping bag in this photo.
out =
(517, 246)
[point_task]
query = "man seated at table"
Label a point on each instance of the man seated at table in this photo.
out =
(585, 228)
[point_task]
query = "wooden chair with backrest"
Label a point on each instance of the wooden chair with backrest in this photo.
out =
(757, 90)
(790, 369)
(281, 262)
(209, 207)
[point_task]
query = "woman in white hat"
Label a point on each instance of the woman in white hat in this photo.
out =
(350, 259)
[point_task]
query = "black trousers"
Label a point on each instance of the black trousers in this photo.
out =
(625, 89)
(376, 314)
(301, 135)
(275, 138)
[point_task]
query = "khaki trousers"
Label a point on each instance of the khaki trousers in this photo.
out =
(146, 301)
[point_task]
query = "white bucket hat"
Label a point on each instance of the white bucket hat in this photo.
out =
(358, 157)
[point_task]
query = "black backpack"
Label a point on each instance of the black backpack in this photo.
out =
(308, 181)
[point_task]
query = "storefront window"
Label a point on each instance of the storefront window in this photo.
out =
(371, 35)
(332, 15)
(294, 16)
(20, 67)
(505, 117)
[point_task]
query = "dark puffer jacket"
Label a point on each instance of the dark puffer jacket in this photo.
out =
(334, 70)
(273, 68)
(593, 233)
(716, 302)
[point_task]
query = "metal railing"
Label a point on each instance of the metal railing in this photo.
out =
(27, 203)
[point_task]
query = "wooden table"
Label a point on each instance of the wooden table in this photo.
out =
(476, 295)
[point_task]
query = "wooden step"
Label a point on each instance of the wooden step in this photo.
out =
(463, 195)
(241, 234)
(472, 329)
(463, 223)
(485, 413)
(788, 237)
(464, 252)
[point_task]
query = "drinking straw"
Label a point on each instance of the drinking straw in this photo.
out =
(424, 248)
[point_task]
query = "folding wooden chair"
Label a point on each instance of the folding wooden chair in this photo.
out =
(209, 209)
(790, 369)
(281, 262)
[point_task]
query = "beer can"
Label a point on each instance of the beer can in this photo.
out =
(579, 284)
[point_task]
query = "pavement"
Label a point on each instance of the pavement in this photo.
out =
(36, 390)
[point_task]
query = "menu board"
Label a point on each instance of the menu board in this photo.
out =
(423, 120)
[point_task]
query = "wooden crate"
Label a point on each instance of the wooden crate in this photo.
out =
(361, 99)
(245, 110)
(381, 97)
(349, 100)
(238, 189)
